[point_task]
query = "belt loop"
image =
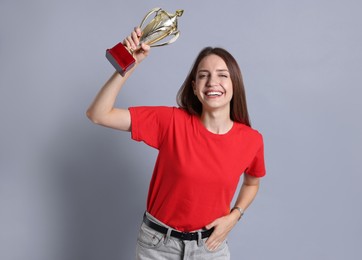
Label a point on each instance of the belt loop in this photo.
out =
(167, 236)
(199, 238)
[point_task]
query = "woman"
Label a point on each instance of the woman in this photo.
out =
(204, 146)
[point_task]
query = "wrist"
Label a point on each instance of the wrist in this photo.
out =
(238, 211)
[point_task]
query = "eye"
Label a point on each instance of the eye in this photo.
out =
(202, 75)
(224, 75)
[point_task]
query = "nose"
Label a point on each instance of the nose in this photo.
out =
(212, 81)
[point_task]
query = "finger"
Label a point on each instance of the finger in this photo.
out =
(135, 39)
(213, 245)
(128, 42)
(216, 243)
(216, 246)
(214, 240)
(138, 31)
(210, 241)
(211, 225)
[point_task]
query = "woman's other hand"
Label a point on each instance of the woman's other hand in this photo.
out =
(222, 226)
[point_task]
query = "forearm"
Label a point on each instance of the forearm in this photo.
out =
(247, 194)
(102, 110)
(226, 223)
(105, 100)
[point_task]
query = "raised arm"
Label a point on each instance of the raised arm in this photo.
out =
(102, 110)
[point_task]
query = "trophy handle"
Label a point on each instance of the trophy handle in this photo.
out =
(177, 34)
(149, 13)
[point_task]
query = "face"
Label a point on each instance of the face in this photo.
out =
(213, 85)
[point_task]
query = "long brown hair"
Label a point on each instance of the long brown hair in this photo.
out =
(187, 100)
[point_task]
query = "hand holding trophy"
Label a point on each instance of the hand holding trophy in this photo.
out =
(161, 26)
(132, 43)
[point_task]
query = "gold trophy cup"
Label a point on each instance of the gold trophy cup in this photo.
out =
(161, 26)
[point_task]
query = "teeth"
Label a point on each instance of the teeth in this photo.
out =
(213, 93)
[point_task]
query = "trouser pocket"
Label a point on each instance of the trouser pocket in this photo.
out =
(149, 238)
(222, 247)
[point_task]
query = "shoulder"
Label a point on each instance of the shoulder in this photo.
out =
(175, 112)
(181, 112)
(152, 112)
(151, 109)
(249, 132)
(171, 109)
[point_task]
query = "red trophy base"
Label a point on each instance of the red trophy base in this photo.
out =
(120, 58)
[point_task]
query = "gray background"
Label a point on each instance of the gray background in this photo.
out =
(71, 190)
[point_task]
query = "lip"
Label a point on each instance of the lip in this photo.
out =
(213, 93)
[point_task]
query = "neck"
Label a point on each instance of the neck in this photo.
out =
(217, 123)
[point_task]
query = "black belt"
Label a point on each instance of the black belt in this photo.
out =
(177, 234)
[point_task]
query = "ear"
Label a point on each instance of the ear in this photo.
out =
(193, 86)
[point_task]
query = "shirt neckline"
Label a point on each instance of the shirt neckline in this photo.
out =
(205, 131)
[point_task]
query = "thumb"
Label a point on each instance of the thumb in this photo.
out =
(145, 47)
(141, 52)
(211, 225)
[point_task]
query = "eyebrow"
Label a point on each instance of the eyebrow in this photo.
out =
(218, 70)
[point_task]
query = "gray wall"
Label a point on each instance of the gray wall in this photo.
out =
(71, 190)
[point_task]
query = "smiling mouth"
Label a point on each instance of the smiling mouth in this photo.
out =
(213, 93)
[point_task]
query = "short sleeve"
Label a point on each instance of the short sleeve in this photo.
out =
(257, 165)
(150, 124)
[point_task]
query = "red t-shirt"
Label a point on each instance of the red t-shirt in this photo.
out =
(196, 172)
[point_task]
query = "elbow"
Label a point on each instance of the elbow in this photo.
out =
(92, 117)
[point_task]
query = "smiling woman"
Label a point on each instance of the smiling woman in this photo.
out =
(225, 69)
(213, 87)
(204, 145)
